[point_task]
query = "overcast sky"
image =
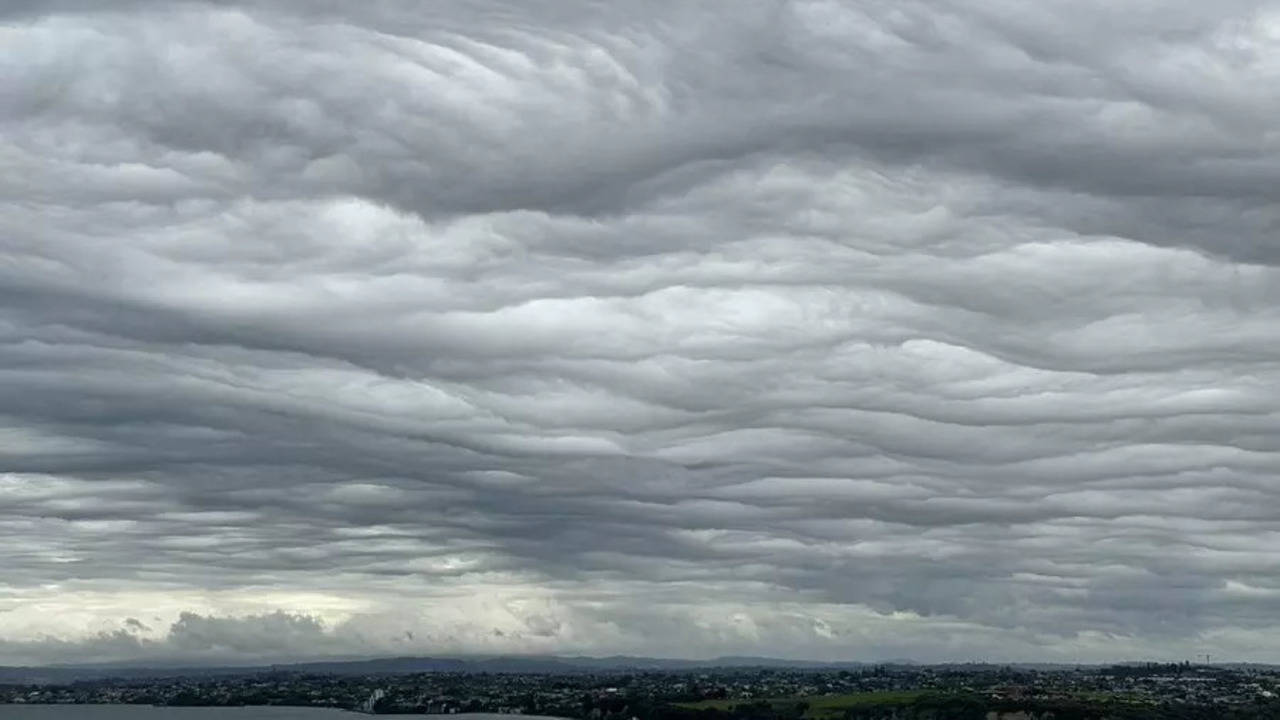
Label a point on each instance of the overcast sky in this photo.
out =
(863, 330)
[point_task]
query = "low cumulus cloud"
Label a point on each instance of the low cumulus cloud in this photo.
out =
(824, 329)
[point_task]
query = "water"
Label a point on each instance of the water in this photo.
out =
(147, 712)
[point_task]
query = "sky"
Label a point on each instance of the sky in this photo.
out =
(862, 330)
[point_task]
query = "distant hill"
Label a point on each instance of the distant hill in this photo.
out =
(65, 674)
(62, 674)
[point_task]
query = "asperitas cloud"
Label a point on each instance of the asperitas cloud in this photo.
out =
(860, 330)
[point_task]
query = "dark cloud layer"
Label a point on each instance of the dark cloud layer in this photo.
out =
(825, 329)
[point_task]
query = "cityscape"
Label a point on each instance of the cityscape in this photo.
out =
(871, 692)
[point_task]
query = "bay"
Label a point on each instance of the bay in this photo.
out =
(257, 712)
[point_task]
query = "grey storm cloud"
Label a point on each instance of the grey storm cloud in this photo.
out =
(823, 329)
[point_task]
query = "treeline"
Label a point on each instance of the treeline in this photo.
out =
(744, 711)
(973, 707)
(981, 709)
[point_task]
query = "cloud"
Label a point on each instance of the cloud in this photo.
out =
(191, 638)
(837, 330)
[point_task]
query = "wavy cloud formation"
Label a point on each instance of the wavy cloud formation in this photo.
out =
(835, 330)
